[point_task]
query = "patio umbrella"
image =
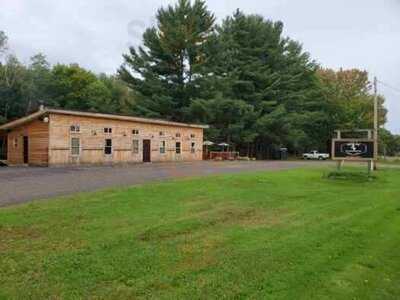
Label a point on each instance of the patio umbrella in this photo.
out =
(208, 143)
(223, 145)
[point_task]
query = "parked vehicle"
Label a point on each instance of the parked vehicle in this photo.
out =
(315, 155)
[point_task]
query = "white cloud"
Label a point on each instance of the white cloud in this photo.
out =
(341, 33)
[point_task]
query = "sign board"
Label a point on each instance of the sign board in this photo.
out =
(353, 149)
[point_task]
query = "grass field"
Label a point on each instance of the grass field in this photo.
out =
(277, 235)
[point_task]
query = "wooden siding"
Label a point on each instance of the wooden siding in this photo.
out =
(92, 141)
(38, 137)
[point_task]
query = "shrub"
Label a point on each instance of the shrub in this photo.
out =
(357, 176)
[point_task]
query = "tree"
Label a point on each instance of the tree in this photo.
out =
(76, 88)
(37, 86)
(348, 94)
(258, 66)
(231, 119)
(170, 69)
(3, 44)
(24, 87)
(122, 98)
(347, 100)
(13, 76)
(389, 144)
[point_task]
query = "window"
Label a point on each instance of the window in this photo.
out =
(75, 129)
(161, 133)
(75, 146)
(192, 136)
(192, 148)
(107, 130)
(135, 146)
(162, 147)
(178, 135)
(178, 147)
(135, 132)
(16, 143)
(108, 147)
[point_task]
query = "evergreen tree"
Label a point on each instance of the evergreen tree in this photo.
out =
(260, 67)
(36, 89)
(170, 69)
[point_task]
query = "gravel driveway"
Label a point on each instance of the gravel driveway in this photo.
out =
(23, 184)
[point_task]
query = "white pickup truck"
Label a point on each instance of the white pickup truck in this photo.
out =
(315, 155)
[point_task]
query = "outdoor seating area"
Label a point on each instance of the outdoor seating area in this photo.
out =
(221, 151)
(222, 155)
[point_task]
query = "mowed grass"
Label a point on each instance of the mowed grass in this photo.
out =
(271, 235)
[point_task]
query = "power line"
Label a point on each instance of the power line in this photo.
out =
(389, 86)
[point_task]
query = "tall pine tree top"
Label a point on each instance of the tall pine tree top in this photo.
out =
(168, 70)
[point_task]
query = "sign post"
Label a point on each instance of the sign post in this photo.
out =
(376, 125)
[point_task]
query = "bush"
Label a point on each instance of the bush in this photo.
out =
(357, 176)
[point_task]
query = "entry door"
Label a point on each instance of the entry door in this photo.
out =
(26, 150)
(146, 151)
(3, 148)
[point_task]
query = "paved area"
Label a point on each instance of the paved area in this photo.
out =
(23, 184)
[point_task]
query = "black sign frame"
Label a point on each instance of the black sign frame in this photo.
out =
(353, 149)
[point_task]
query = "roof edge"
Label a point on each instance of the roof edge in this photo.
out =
(23, 120)
(44, 111)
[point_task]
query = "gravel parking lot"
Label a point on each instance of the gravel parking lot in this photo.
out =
(23, 184)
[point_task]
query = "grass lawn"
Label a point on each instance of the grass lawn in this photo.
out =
(276, 235)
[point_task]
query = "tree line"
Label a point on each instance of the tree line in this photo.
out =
(256, 88)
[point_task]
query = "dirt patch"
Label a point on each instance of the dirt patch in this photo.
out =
(18, 233)
(9, 235)
(171, 230)
(208, 218)
(243, 216)
(197, 255)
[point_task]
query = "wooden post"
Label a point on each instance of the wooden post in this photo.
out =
(371, 166)
(339, 165)
(376, 126)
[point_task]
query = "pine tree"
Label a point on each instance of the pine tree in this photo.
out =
(261, 67)
(170, 69)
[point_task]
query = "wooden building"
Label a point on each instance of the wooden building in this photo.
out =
(53, 137)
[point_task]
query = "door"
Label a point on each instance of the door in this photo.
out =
(146, 151)
(26, 150)
(3, 147)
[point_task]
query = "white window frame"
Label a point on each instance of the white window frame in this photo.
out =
(134, 149)
(105, 146)
(79, 147)
(163, 147)
(107, 130)
(135, 131)
(75, 128)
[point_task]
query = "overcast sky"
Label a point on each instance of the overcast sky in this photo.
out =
(94, 33)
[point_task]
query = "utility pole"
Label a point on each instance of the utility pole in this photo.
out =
(376, 125)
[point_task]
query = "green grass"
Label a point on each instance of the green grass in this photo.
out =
(278, 235)
(391, 160)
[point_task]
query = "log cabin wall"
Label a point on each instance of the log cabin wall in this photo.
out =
(37, 134)
(92, 137)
